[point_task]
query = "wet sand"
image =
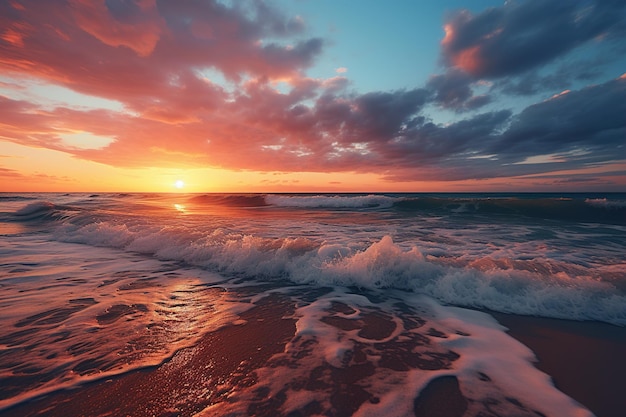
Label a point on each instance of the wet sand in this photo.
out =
(585, 359)
(191, 380)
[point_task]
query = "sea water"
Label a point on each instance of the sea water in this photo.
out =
(97, 285)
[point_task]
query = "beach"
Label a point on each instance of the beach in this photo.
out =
(205, 376)
(300, 305)
(585, 360)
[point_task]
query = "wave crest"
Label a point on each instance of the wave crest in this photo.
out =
(35, 208)
(500, 286)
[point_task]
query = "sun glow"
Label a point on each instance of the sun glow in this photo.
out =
(179, 184)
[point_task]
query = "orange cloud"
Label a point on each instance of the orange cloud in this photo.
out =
(469, 60)
(139, 30)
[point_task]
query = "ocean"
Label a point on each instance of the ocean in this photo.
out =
(362, 301)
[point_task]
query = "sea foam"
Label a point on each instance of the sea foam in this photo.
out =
(383, 264)
(335, 354)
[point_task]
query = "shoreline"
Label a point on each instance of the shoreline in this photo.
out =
(585, 359)
(191, 380)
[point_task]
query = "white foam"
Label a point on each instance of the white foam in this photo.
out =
(386, 265)
(605, 203)
(506, 361)
(481, 343)
(560, 294)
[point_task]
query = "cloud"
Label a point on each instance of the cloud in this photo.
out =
(532, 83)
(154, 57)
(589, 121)
(11, 174)
(520, 36)
(453, 90)
(136, 50)
(512, 45)
(135, 25)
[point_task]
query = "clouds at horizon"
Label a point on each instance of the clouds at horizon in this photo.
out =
(159, 60)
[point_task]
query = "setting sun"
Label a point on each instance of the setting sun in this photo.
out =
(179, 184)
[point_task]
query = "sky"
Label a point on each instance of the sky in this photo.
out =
(312, 95)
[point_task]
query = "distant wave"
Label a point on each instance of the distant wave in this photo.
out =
(296, 201)
(535, 289)
(605, 203)
(590, 210)
(16, 198)
(331, 201)
(230, 200)
(564, 209)
(596, 210)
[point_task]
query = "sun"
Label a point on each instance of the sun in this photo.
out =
(179, 184)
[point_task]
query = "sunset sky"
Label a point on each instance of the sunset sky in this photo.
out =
(312, 95)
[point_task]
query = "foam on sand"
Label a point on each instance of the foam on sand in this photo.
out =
(349, 356)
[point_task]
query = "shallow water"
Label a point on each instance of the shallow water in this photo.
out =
(98, 285)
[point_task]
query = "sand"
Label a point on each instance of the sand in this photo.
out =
(585, 360)
(190, 381)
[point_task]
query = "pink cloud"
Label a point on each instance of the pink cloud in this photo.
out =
(133, 50)
(139, 29)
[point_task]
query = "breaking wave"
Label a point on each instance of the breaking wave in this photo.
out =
(538, 289)
(539, 286)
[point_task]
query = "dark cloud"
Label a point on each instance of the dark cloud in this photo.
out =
(590, 120)
(383, 115)
(435, 143)
(300, 55)
(522, 35)
(452, 89)
(584, 128)
(562, 77)
(532, 83)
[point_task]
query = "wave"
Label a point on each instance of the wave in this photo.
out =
(567, 209)
(605, 203)
(16, 198)
(535, 286)
(295, 201)
(230, 200)
(594, 210)
(332, 201)
(537, 289)
(563, 209)
(46, 211)
(35, 208)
